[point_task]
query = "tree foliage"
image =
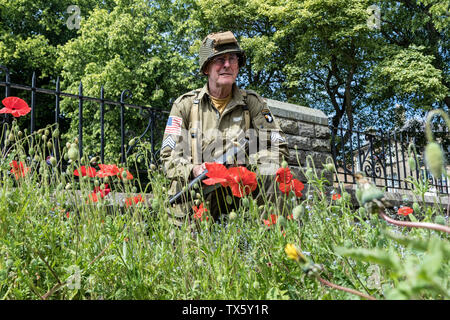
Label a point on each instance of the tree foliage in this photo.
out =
(318, 53)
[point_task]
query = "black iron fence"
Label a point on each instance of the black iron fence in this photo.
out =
(156, 118)
(384, 157)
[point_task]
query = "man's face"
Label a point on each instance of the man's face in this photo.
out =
(223, 70)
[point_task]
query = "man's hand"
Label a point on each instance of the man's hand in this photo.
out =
(198, 169)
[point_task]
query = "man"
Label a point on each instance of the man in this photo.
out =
(206, 122)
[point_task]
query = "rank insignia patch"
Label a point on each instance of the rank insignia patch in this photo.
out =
(266, 113)
(168, 142)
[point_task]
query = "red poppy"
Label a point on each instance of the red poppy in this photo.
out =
(295, 185)
(18, 169)
(273, 220)
(85, 171)
(336, 196)
(198, 212)
(217, 173)
(93, 197)
(404, 211)
(103, 191)
(133, 200)
(107, 170)
(15, 106)
(241, 180)
(283, 175)
(129, 176)
(67, 214)
(290, 216)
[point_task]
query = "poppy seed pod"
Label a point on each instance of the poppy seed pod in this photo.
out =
(434, 157)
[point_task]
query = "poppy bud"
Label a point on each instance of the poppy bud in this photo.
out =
(132, 141)
(53, 161)
(358, 194)
(152, 167)
(66, 156)
(55, 133)
(412, 163)
(124, 174)
(155, 204)
(44, 138)
(37, 158)
(256, 285)
(68, 186)
(281, 221)
(11, 137)
(434, 158)
(198, 195)
(329, 166)
(197, 202)
(49, 144)
(284, 164)
(96, 183)
(416, 207)
(309, 173)
(193, 193)
(73, 153)
(440, 220)
(229, 199)
(298, 212)
(371, 194)
(20, 134)
(68, 145)
(47, 132)
(245, 202)
(232, 215)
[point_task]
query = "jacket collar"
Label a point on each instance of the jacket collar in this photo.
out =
(236, 99)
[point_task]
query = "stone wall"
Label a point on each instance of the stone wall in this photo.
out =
(307, 133)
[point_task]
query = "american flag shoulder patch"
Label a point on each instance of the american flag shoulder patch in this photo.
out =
(275, 136)
(168, 142)
(173, 126)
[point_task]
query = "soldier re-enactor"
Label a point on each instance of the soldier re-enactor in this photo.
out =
(210, 119)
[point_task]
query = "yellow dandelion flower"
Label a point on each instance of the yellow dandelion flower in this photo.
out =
(294, 253)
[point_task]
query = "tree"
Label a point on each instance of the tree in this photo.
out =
(135, 47)
(323, 54)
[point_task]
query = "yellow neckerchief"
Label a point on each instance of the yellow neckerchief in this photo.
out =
(220, 104)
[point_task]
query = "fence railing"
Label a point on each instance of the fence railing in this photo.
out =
(383, 157)
(156, 117)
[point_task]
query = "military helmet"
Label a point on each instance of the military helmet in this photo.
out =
(219, 43)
